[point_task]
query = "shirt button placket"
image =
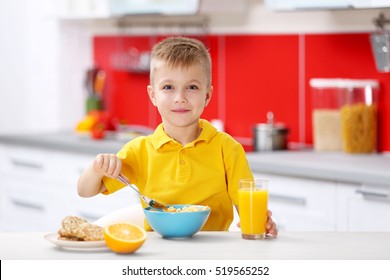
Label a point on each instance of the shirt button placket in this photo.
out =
(181, 156)
(183, 165)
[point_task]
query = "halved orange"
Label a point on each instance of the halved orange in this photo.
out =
(124, 238)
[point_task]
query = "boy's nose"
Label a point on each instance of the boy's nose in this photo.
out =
(180, 97)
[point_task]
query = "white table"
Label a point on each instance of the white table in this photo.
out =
(215, 246)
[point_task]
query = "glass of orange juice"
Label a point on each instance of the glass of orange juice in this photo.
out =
(253, 207)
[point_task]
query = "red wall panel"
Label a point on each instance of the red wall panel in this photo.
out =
(252, 74)
(261, 76)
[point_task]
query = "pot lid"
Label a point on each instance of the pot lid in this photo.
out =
(265, 126)
(270, 125)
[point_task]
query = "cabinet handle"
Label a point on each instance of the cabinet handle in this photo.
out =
(288, 199)
(27, 164)
(374, 194)
(27, 204)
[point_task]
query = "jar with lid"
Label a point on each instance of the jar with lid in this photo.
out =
(345, 115)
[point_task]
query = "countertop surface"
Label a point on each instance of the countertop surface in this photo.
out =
(370, 169)
(214, 246)
(65, 141)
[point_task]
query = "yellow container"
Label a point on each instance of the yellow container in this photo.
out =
(345, 115)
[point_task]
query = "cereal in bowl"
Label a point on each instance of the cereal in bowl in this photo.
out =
(190, 208)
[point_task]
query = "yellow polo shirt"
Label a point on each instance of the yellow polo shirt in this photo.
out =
(204, 172)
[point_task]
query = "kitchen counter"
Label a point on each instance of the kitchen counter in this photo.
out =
(370, 169)
(339, 167)
(220, 245)
(65, 141)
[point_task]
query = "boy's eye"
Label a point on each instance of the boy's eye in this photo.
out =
(167, 87)
(193, 87)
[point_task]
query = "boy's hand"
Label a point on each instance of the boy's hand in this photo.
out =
(271, 226)
(108, 165)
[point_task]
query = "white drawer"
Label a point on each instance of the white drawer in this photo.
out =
(302, 204)
(26, 207)
(18, 161)
(363, 208)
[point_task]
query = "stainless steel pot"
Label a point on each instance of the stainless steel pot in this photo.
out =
(269, 136)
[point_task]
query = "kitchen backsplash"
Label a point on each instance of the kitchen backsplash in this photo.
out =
(252, 74)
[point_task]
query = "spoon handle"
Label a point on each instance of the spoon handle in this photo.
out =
(124, 181)
(148, 201)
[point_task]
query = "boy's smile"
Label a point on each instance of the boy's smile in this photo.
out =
(180, 110)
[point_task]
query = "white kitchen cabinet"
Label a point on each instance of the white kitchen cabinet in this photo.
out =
(31, 190)
(300, 204)
(32, 205)
(363, 208)
(39, 188)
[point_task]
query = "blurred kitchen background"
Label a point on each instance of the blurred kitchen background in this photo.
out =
(73, 84)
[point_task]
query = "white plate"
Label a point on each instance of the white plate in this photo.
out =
(75, 245)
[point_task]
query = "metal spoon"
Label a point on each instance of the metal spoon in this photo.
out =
(151, 202)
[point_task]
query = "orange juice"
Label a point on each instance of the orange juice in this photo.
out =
(253, 206)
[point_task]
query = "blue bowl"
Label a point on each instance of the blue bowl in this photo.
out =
(176, 224)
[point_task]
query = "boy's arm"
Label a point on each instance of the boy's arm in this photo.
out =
(90, 182)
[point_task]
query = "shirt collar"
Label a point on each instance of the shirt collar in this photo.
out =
(159, 137)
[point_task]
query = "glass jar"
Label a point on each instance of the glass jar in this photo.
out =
(345, 115)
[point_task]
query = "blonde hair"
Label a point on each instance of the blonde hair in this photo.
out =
(181, 52)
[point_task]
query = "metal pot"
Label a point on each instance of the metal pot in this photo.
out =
(269, 136)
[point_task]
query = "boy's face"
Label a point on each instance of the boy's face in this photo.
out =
(180, 94)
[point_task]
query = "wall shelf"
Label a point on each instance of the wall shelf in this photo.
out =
(145, 19)
(155, 20)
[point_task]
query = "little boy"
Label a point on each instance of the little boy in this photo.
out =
(186, 160)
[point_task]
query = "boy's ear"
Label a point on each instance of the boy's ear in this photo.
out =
(208, 95)
(151, 95)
